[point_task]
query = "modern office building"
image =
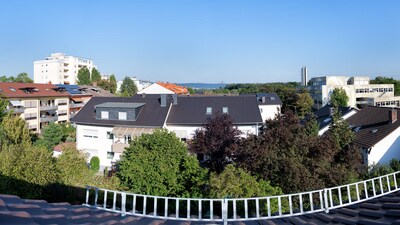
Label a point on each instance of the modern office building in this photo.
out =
(358, 89)
(59, 69)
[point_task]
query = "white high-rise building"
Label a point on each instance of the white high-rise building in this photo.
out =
(59, 69)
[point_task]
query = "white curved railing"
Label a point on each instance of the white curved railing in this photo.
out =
(240, 209)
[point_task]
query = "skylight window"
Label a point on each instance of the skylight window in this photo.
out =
(327, 120)
(374, 131)
(224, 109)
(209, 111)
(12, 89)
(272, 98)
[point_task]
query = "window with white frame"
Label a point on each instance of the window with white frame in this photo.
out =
(122, 115)
(104, 114)
(208, 110)
(90, 133)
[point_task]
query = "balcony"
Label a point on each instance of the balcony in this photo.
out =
(48, 119)
(119, 147)
(76, 105)
(16, 110)
(48, 107)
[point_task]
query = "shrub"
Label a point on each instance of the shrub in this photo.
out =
(95, 163)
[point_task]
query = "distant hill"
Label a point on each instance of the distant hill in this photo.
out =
(202, 85)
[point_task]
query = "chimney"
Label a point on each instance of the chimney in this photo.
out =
(263, 99)
(143, 95)
(331, 110)
(94, 84)
(163, 100)
(175, 99)
(392, 116)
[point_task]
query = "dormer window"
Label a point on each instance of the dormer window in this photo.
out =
(104, 114)
(118, 110)
(209, 111)
(122, 115)
(225, 110)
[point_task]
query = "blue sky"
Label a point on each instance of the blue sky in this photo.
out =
(206, 40)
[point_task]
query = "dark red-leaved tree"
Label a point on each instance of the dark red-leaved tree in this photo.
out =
(218, 139)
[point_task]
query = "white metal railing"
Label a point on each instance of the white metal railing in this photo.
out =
(241, 209)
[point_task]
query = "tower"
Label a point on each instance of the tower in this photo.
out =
(304, 76)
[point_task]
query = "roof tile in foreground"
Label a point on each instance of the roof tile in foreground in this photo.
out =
(13, 210)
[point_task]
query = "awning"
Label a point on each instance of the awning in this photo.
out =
(133, 132)
(16, 103)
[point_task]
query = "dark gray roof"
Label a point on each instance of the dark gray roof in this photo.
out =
(120, 104)
(372, 125)
(270, 99)
(151, 115)
(192, 109)
(324, 116)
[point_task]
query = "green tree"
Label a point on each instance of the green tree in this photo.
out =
(311, 125)
(301, 103)
(71, 167)
(236, 183)
(340, 130)
(113, 84)
(23, 78)
(339, 97)
(3, 106)
(287, 156)
(51, 136)
(14, 131)
(33, 165)
(191, 91)
(128, 87)
(83, 77)
(218, 139)
(95, 163)
(95, 75)
(159, 164)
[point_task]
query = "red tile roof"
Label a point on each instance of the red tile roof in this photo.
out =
(16, 90)
(175, 88)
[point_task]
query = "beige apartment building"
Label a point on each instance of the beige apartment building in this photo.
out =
(37, 104)
(59, 68)
(358, 89)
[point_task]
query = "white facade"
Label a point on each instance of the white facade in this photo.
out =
(140, 84)
(94, 141)
(59, 69)
(386, 149)
(357, 89)
(269, 111)
(155, 89)
(187, 132)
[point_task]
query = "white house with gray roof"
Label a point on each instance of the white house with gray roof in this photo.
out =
(105, 125)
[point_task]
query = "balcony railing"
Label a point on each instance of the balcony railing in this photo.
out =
(47, 107)
(48, 119)
(241, 209)
(16, 110)
(76, 105)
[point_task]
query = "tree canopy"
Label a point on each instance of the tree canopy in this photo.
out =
(20, 78)
(159, 164)
(128, 87)
(290, 158)
(95, 75)
(339, 97)
(218, 139)
(83, 77)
